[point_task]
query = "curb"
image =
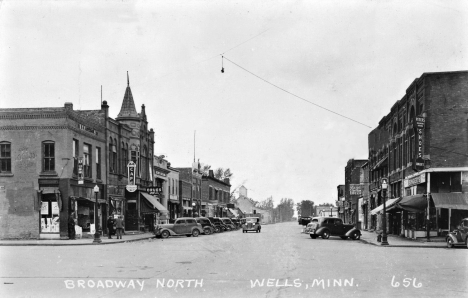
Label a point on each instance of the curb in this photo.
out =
(77, 244)
(411, 246)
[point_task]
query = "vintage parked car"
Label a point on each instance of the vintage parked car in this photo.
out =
(182, 226)
(459, 236)
(218, 224)
(208, 227)
(305, 220)
(237, 222)
(252, 224)
(331, 226)
(229, 224)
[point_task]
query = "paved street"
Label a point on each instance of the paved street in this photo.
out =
(278, 262)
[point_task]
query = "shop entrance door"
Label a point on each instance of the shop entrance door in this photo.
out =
(131, 217)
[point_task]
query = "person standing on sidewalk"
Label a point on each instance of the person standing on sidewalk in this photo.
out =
(71, 227)
(119, 224)
(110, 226)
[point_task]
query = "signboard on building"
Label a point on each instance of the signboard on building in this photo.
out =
(131, 187)
(80, 170)
(418, 161)
(154, 190)
(355, 189)
(415, 180)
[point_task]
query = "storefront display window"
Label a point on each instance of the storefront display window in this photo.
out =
(50, 214)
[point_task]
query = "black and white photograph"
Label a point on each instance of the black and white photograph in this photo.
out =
(233, 148)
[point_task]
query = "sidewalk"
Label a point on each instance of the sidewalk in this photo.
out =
(396, 241)
(83, 241)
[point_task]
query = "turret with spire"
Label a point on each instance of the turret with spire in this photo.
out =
(128, 110)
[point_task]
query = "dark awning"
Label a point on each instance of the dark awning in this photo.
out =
(100, 201)
(451, 200)
(154, 202)
(417, 203)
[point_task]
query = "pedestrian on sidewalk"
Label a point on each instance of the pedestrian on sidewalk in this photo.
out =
(119, 225)
(110, 226)
(71, 227)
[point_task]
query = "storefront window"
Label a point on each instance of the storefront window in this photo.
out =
(50, 220)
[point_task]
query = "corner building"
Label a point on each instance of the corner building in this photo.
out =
(421, 148)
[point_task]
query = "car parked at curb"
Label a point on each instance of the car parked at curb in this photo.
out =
(182, 226)
(458, 236)
(331, 226)
(208, 227)
(229, 224)
(252, 224)
(218, 224)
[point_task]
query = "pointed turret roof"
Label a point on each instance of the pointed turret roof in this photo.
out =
(128, 109)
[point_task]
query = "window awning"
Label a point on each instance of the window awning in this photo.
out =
(388, 204)
(153, 201)
(100, 201)
(452, 200)
(381, 163)
(234, 212)
(416, 203)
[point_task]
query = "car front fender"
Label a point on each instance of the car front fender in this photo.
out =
(171, 232)
(350, 232)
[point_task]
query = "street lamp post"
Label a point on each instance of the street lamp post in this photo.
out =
(384, 219)
(97, 234)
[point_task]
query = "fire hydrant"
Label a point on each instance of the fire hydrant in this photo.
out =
(379, 238)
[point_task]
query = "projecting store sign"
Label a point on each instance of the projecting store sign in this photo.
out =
(355, 189)
(80, 170)
(131, 187)
(418, 163)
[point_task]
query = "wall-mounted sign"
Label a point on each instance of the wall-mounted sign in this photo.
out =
(415, 180)
(80, 170)
(355, 189)
(160, 173)
(418, 161)
(131, 173)
(154, 190)
(131, 188)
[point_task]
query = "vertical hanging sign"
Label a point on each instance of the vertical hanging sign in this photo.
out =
(131, 186)
(418, 164)
(80, 170)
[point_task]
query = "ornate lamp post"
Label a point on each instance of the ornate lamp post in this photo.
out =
(384, 215)
(97, 233)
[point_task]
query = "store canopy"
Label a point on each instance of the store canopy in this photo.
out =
(452, 200)
(154, 202)
(417, 203)
(234, 212)
(100, 201)
(388, 203)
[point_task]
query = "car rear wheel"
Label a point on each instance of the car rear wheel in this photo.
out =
(313, 236)
(449, 242)
(356, 236)
(164, 234)
(207, 231)
(195, 233)
(326, 235)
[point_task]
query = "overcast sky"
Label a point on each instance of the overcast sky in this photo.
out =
(355, 58)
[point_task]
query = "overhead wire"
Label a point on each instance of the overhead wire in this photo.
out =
(297, 96)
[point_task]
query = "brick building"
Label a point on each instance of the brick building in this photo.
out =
(215, 195)
(39, 183)
(52, 158)
(340, 200)
(421, 148)
(190, 191)
(353, 190)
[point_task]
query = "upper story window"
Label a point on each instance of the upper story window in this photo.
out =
(115, 166)
(48, 156)
(98, 163)
(87, 161)
(111, 168)
(75, 156)
(5, 157)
